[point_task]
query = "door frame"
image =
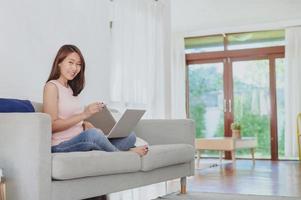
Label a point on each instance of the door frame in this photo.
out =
(228, 57)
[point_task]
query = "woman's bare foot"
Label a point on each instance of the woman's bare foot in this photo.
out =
(141, 150)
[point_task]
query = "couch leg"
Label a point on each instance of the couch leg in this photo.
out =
(183, 185)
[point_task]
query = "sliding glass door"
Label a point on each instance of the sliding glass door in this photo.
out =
(251, 103)
(206, 95)
(244, 90)
(238, 77)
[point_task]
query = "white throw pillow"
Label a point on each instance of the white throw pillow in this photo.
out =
(140, 142)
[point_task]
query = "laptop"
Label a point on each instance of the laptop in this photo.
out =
(104, 121)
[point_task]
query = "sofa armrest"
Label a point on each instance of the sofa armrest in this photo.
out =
(166, 131)
(25, 154)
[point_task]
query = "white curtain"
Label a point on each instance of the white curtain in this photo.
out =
(178, 80)
(138, 65)
(292, 88)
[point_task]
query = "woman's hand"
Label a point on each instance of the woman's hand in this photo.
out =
(93, 108)
(87, 125)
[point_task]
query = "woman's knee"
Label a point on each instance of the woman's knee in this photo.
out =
(93, 134)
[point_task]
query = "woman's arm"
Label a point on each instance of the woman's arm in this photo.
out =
(50, 106)
(87, 125)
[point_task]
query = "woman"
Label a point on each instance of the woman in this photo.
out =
(70, 131)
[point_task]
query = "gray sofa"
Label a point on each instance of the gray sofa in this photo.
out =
(33, 173)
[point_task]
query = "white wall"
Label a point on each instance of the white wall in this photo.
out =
(201, 17)
(32, 31)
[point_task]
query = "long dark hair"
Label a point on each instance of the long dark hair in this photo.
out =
(76, 84)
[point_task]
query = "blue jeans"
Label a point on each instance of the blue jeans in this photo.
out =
(94, 139)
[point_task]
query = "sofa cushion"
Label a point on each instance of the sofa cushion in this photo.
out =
(165, 155)
(93, 163)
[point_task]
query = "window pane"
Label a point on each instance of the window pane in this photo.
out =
(255, 39)
(206, 100)
(280, 105)
(252, 103)
(204, 44)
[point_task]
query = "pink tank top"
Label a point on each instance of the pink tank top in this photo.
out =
(68, 105)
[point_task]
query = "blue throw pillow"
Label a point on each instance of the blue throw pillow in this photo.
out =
(15, 105)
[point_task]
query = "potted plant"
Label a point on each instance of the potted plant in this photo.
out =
(235, 127)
